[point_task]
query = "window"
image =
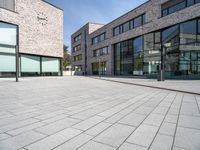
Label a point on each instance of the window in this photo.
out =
(78, 38)
(30, 65)
(138, 22)
(197, 1)
(7, 49)
(77, 48)
(165, 12)
(99, 38)
(177, 7)
(174, 6)
(100, 52)
(8, 4)
(9, 34)
(188, 32)
(77, 57)
(138, 45)
(99, 68)
(126, 27)
(190, 2)
(116, 31)
(199, 26)
(138, 56)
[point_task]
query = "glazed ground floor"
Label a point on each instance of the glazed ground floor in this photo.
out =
(12, 61)
(175, 48)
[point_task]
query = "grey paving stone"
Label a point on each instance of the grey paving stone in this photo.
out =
(98, 128)
(4, 136)
(19, 124)
(128, 146)
(171, 118)
(25, 128)
(57, 126)
(189, 109)
(162, 142)
(96, 146)
(161, 110)
(20, 140)
(189, 121)
(115, 135)
(143, 135)
(50, 115)
(167, 129)
(55, 140)
(177, 148)
(187, 138)
(56, 118)
(75, 143)
(88, 123)
(7, 121)
(133, 119)
(154, 119)
(143, 110)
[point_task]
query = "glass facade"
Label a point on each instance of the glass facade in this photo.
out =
(39, 66)
(100, 52)
(99, 38)
(136, 22)
(174, 6)
(29, 65)
(8, 44)
(142, 55)
(99, 68)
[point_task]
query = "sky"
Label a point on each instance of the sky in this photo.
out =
(79, 12)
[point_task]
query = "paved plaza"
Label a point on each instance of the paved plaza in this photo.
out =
(69, 113)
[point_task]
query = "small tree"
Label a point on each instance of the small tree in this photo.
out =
(66, 57)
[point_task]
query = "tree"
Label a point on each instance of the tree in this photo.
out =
(66, 57)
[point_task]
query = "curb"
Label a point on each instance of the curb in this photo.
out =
(155, 87)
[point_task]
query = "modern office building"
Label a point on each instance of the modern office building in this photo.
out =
(133, 44)
(31, 38)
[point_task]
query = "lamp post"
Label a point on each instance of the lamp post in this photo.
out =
(161, 75)
(17, 63)
(99, 68)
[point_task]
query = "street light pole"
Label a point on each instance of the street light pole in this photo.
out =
(99, 68)
(17, 63)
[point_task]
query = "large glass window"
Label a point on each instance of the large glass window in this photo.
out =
(8, 43)
(190, 2)
(126, 27)
(30, 65)
(50, 66)
(8, 34)
(188, 32)
(138, 21)
(8, 4)
(99, 38)
(138, 56)
(99, 68)
(7, 64)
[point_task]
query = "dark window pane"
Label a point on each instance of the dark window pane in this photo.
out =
(116, 31)
(126, 27)
(190, 2)
(170, 38)
(197, 1)
(143, 19)
(198, 26)
(137, 21)
(131, 24)
(188, 32)
(138, 45)
(177, 7)
(164, 12)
